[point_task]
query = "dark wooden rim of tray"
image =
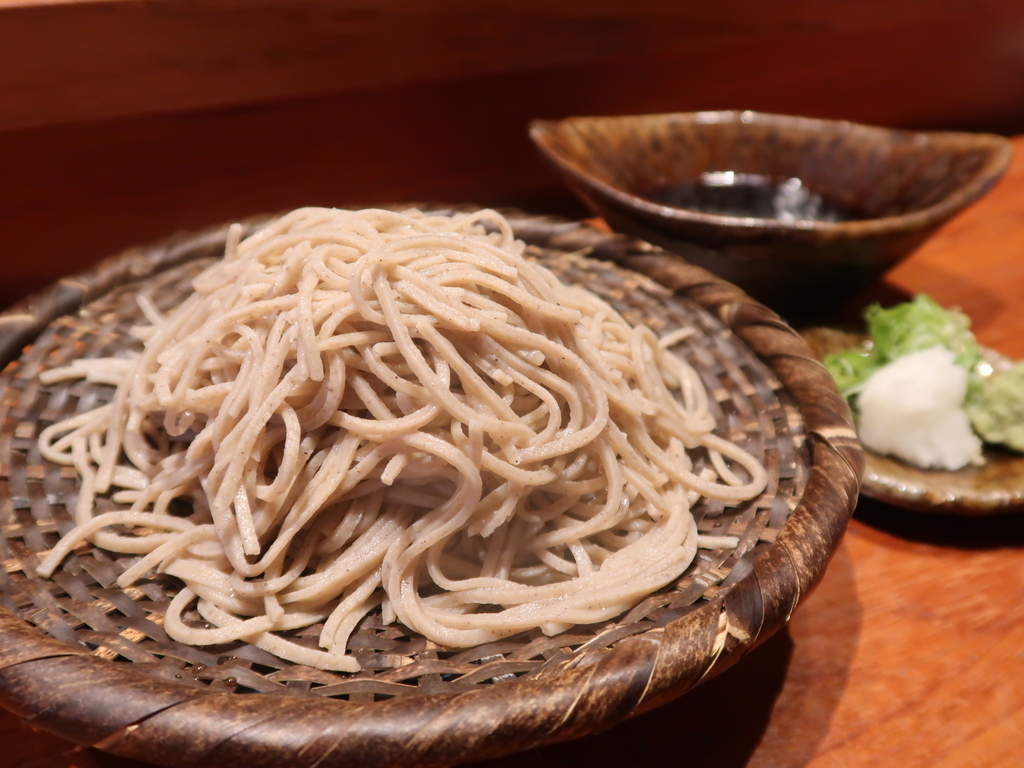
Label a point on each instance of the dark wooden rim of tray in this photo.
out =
(93, 702)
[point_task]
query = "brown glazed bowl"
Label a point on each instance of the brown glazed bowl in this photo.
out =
(894, 187)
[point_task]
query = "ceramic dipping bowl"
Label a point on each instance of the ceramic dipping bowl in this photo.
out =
(801, 213)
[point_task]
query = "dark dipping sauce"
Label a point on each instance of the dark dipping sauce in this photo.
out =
(749, 195)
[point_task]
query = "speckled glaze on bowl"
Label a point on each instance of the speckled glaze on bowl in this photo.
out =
(993, 488)
(902, 184)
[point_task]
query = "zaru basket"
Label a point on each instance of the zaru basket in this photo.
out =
(91, 663)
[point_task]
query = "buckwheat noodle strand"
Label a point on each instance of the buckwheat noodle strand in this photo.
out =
(372, 408)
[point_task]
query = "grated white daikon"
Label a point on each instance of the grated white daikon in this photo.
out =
(913, 408)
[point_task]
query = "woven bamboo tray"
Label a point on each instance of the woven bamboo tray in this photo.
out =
(91, 662)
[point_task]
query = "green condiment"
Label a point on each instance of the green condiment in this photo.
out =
(910, 327)
(850, 369)
(997, 413)
(995, 404)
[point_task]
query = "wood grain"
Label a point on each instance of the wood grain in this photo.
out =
(88, 60)
(141, 117)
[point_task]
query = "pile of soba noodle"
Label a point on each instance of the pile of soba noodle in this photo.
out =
(388, 409)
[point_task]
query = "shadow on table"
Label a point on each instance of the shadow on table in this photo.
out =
(719, 723)
(825, 633)
(771, 710)
(977, 533)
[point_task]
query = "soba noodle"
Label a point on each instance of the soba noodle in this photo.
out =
(400, 410)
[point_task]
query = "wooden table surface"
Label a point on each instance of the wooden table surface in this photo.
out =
(911, 651)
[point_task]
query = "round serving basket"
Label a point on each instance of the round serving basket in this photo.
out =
(91, 662)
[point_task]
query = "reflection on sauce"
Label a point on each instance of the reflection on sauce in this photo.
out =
(744, 194)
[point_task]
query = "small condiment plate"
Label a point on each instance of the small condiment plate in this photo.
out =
(995, 487)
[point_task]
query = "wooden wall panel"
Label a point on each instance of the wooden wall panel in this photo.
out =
(72, 192)
(95, 59)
